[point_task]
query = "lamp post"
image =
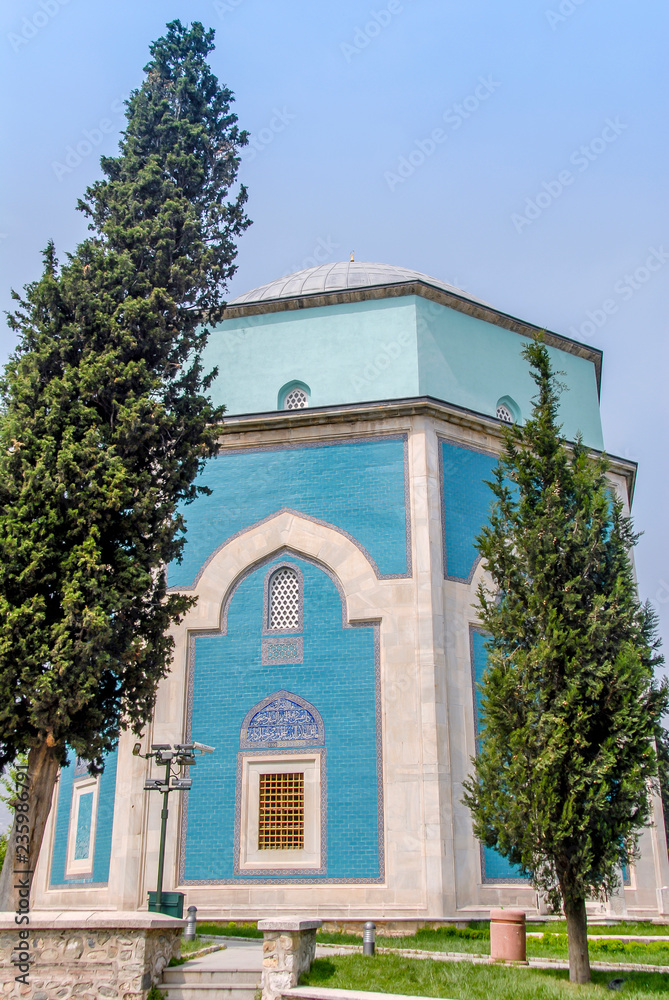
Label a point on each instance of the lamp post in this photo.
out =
(173, 758)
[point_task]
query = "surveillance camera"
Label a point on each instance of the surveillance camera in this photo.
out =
(203, 748)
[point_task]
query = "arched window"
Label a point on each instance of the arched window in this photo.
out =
(507, 410)
(296, 399)
(284, 600)
(294, 396)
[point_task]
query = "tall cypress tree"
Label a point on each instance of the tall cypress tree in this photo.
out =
(106, 422)
(570, 708)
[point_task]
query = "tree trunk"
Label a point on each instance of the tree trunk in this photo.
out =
(27, 832)
(577, 932)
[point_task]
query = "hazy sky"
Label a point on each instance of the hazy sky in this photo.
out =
(517, 150)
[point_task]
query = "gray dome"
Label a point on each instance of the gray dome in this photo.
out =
(340, 276)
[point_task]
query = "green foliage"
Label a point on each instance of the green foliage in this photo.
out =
(3, 848)
(569, 704)
(8, 782)
(106, 420)
(229, 929)
(155, 994)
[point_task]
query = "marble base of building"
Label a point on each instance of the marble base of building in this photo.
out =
(87, 956)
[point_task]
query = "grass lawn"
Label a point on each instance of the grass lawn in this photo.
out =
(230, 929)
(624, 927)
(475, 940)
(463, 981)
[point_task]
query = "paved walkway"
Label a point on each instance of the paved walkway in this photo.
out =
(237, 954)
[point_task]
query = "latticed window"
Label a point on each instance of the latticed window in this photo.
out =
(504, 413)
(284, 600)
(281, 812)
(296, 399)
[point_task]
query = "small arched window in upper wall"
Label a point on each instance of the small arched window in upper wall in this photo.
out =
(294, 396)
(284, 600)
(507, 410)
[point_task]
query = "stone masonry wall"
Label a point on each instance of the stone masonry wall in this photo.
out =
(87, 963)
(289, 947)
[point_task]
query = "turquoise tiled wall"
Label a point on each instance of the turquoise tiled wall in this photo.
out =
(357, 486)
(466, 503)
(392, 348)
(495, 867)
(472, 363)
(103, 831)
(337, 676)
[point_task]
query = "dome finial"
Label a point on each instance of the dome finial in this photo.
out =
(352, 256)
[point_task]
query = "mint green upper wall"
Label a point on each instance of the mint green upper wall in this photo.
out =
(389, 349)
(346, 353)
(471, 363)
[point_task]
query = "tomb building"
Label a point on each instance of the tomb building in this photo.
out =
(332, 655)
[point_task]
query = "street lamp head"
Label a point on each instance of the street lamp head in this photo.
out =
(137, 750)
(182, 784)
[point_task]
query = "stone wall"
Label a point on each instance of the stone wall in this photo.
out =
(118, 957)
(289, 947)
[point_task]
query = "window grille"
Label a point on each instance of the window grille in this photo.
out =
(504, 413)
(284, 600)
(281, 812)
(296, 399)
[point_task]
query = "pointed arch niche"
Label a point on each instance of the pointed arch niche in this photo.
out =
(274, 720)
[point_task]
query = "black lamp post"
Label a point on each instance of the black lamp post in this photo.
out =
(173, 758)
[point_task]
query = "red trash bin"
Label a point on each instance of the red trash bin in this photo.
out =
(507, 936)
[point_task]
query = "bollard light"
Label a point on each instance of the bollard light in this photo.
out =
(369, 938)
(191, 922)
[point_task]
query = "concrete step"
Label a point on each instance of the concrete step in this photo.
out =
(183, 974)
(209, 991)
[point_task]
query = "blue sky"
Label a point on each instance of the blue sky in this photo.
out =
(559, 99)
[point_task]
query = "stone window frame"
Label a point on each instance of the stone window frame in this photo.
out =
(266, 611)
(75, 868)
(311, 860)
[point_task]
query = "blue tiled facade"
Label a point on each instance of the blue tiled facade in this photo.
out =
(338, 675)
(103, 825)
(357, 486)
(495, 867)
(466, 503)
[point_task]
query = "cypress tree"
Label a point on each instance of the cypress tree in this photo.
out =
(106, 422)
(570, 708)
